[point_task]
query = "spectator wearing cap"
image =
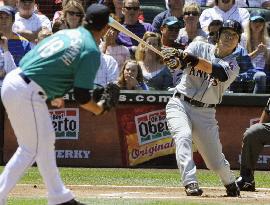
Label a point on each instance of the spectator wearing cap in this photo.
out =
(131, 11)
(224, 10)
(27, 22)
(169, 31)
(18, 46)
(174, 8)
(258, 45)
(191, 30)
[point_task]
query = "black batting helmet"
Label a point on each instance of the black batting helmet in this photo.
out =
(233, 25)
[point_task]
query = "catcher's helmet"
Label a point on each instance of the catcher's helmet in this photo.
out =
(233, 25)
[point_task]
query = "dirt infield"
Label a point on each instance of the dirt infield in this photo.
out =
(146, 192)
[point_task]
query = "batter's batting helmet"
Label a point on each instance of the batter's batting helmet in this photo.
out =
(233, 25)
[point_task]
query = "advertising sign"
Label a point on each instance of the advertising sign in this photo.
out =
(66, 123)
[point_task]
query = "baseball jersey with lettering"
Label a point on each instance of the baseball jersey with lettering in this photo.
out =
(201, 86)
(69, 58)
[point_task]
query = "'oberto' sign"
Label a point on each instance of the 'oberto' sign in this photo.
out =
(66, 123)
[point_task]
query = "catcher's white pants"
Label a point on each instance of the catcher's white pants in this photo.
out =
(29, 116)
(187, 123)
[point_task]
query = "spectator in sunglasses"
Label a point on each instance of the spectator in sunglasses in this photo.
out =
(73, 14)
(224, 10)
(59, 14)
(191, 30)
(131, 12)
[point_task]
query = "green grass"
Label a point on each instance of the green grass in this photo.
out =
(137, 177)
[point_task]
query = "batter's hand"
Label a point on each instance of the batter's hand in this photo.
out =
(171, 57)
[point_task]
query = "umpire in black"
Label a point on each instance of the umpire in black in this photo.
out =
(254, 139)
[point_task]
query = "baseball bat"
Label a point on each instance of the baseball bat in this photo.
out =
(116, 25)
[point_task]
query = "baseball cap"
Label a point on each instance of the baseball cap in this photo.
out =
(97, 15)
(8, 10)
(172, 20)
(255, 15)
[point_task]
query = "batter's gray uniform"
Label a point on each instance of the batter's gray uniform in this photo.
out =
(191, 115)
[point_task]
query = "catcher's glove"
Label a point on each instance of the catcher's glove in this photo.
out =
(108, 96)
(171, 57)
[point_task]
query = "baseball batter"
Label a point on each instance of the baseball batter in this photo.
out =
(209, 71)
(65, 60)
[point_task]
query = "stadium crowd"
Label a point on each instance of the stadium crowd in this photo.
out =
(24, 23)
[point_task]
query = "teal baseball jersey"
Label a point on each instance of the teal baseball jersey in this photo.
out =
(69, 58)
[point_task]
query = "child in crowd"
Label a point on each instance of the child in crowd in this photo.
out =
(131, 77)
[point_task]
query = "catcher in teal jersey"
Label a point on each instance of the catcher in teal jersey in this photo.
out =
(68, 59)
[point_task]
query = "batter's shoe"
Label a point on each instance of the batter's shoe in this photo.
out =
(245, 185)
(72, 202)
(193, 189)
(232, 190)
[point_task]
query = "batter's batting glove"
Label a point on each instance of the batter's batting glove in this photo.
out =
(107, 96)
(171, 57)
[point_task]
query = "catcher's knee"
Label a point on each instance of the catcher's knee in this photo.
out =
(251, 134)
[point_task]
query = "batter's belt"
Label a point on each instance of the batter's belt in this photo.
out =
(193, 102)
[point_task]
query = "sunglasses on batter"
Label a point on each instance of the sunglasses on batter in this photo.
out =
(73, 13)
